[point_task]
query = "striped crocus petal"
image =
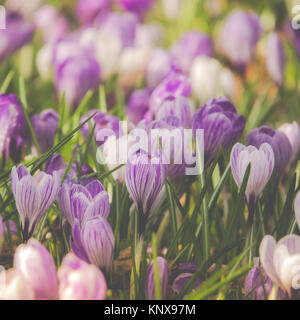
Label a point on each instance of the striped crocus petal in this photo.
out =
(145, 181)
(98, 241)
(163, 276)
(33, 195)
(262, 165)
(297, 208)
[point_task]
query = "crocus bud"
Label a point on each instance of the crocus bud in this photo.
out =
(33, 195)
(292, 131)
(257, 283)
(14, 132)
(137, 6)
(52, 24)
(221, 124)
(80, 281)
(94, 242)
(279, 142)
(182, 279)
(281, 261)
(163, 277)
(262, 164)
(138, 105)
(17, 33)
(209, 79)
(175, 83)
(44, 61)
(34, 263)
(83, 202)
(106, 125)
(75, 76)
(145, 182)
(149, 35)
(14, 287)
(86, 10)
(297, 208)
(180, 107)
(191, 45)
(239, 36)
(275, 58)
(45, 126)
(159, 65)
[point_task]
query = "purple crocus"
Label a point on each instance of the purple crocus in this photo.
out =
(145, 180)
(163, 271)
(105, 125)
(79, 280)
(182, 279)
(191, 45)
(175, 83)
(75, 76)
(281, 261)
(17, 33)
(33, 195)
(137, 6)
(36, 266)
(279, 143)
(292, 131)
(45, 126)
(138, 105)
(94, 242)
(239, 36)
(14, 131)
(87, 10)
(221, 124)
(275, 58)
(159, 65)
(262, 164)
(180, 107)
(78, 202)
(257, 283)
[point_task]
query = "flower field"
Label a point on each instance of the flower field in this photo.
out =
(149, 150)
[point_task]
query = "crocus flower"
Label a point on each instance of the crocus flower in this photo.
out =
(262, 164)
(149, 35)
(94, 242)
(239, 36)
(138, 105)
(33, 195)
(14, 287)
(80, 281)
(191, 45)
(163, 277)
(137, 6)
(279, 142)
(159, 65)
(35, 264)
(83, 202)
(222, 126)
(52, 24)
(171, 8)
(175, 83)
(209, 79)
(182, 279)
(14, 132)
(106, 125)
(17, 33)
(257, 283)
(281, 261)
(292, 131)
(45, 126)
(275, 58)
(75, 76)
(145, 182)
(297, 208)
(87, 10)
(180, 107)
